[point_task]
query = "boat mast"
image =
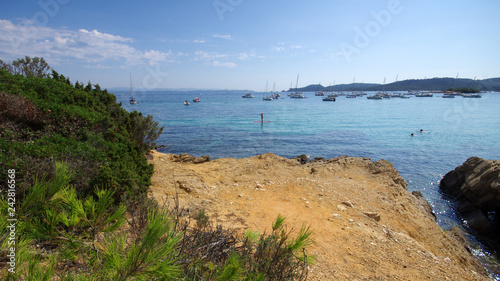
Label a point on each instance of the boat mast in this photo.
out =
(383, 85)
(131, 97)
(453, 89)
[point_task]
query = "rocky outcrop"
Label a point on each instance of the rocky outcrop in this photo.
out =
(475, 185)
(302, 159)
(186, 158)
(385, 167)
(366, 225)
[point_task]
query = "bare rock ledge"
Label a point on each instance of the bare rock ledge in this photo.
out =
(366, 225)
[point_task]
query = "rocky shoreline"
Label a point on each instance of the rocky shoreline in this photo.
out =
(366, 224)
(475, 187)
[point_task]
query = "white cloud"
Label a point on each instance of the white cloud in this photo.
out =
(98, 66)
(198, 41)
(213, 58)
(26, 39)
(154, 57)
(243, 56)
(202, 55)
(282, 46)
(248, 56)
(224, 64)
(94, 34)
(227, 37)
(277, 49)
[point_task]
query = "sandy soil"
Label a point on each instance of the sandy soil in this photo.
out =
(366, 225)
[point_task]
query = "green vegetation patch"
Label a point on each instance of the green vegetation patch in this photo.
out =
(46, 118)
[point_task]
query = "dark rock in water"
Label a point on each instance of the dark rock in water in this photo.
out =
(302, 159)
(475, 185)
(478, 221)
(450, 183)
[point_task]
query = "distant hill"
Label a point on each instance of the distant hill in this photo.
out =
(341, 87)
(492, 84)
(431, 84)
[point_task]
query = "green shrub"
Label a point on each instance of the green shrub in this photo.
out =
(216, 254)
(278, 256)
(47, 119)
(153, 256)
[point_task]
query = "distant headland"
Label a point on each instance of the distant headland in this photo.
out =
(428, 84)
(431, 84)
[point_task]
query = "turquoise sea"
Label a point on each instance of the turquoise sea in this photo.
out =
(222, 125)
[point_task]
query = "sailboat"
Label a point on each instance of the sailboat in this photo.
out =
(132, 100)
(380, 95)
(451, 94)
(318, 92)
(269, 98)
(470, 95)
(297, 95)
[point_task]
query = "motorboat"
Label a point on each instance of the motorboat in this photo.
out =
(329, 98)
(248, 96)
(424, 95)
(401, 96)
(297, 95)
(475, 96)
(375, 97)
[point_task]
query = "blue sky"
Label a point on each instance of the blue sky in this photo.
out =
(241, 44)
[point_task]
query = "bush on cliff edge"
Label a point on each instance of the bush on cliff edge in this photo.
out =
(45, 119)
